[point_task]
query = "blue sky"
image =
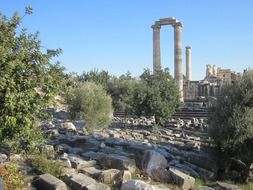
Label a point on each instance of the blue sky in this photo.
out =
(115, 35)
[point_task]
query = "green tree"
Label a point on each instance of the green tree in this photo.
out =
(231, 124)
(27, 83)
(99, 77)
(122, 90)
(156, 95)
(90, 102)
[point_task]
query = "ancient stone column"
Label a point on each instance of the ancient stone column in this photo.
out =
(156, 48)
(188, 63)
(178, 74)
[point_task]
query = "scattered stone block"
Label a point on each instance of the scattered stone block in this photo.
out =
(80, 182)
(108, 176)
(117, 162)
(3, 157)
(184, 181)
(136, 185)
(153, 159)
(69, 126)
(225, 186)
(49, 182)
(90, 171)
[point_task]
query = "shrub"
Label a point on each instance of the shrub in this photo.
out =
(231, 124)
(41, 164)
(90, 102)
(12, 177)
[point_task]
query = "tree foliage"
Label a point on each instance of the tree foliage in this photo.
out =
(231, 122)
(90, 102)
(122, 90)
(156, 95)
(27, 82)
(99, 77)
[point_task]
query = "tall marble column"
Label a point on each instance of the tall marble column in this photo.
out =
(188, 63)
(178, 74)
(156, 48)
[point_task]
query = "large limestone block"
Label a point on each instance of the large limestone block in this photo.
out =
(205, 188)
(117, 162)
(78, 163)
(82, 182)
(173, 176)
(90, 171)
(108, 176)
(69, 126)
(184, 181)
(3, 157)
(136, 185)
(225, 186)
(153, 159)
(78, 181)
(49, 182)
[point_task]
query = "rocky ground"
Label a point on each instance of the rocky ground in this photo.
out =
(129, 155)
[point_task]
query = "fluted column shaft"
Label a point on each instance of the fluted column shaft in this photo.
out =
(188, 63)
(156, 49)
(178, 74)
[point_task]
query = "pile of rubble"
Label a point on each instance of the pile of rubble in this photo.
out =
(128, 157)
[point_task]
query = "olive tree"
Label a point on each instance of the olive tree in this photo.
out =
(231, 124)
(90, 102)
(156, 95)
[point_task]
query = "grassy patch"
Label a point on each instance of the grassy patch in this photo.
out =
(42, 164)
(247, 186)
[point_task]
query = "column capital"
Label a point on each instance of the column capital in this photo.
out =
(156, 26)
(178, 24)
(188, 47)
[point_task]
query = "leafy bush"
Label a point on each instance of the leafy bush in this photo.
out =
(156, 95)
(12, 177)
(122, 91)
(41, 164)
(90, 102)
(27, 83)
(231, 124)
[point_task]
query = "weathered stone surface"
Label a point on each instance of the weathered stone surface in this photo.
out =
(160, 187)
(90, 155)
(65, 160)
(184, 181)
(123, 176)
(78, 181)
(90, 171)
(1, 184)
(3, 157)
(136, 185)
(69, 126)
(251, 173)
(82, 182)
(203, 173)
(68, 171)
(187, 170)
(16, 157)
(49, 182)
(108, 176)
(97, 186)
(117, 162)
(173, 176)
(205, 188)
(78, 163)
(225, 186)
(153, 159)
